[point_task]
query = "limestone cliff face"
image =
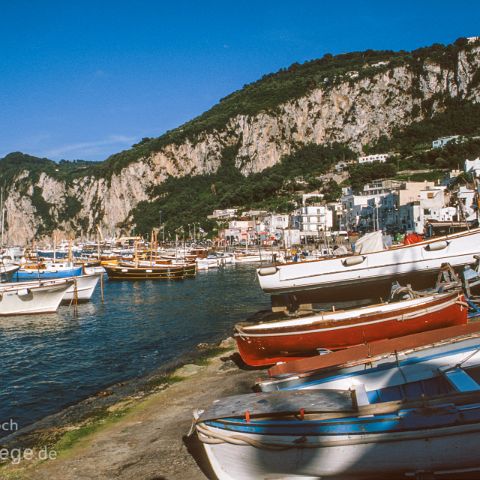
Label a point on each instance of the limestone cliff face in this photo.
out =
(355, 109)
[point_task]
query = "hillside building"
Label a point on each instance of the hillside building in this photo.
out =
(378, 157)
(442, 141)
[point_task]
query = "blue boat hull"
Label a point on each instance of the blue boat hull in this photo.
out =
(26, 275)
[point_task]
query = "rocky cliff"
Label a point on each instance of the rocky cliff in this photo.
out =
(354, 107)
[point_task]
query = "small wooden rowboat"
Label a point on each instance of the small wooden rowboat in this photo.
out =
(281, 340)
(131, 271)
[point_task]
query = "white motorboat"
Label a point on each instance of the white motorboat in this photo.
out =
(33, 297)
(369, 275)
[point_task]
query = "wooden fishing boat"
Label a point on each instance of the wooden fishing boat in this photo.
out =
(133, 271)
(367, 275)
(289, 338)
(396, 421)
(32, 297)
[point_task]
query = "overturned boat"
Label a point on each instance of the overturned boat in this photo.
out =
(367, 275)
(292, 337)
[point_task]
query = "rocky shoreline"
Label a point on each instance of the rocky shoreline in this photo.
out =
(135, 429)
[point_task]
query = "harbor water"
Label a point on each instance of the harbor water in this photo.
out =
(51, 361)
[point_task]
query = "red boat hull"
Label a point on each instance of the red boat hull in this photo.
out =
(267, 348)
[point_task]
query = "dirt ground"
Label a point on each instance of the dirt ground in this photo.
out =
(150, 441)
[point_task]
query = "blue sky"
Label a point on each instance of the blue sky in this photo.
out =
(85, 79)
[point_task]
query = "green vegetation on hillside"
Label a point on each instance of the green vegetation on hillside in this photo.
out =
(458, 118)
(190, 199)
(360, 174)
(451, 156)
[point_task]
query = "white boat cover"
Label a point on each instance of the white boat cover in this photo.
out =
(370, 242)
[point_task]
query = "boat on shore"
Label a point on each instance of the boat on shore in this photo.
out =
(367, 275)
(33, 297)
(288, 338)
(430, 350)
(418, 421)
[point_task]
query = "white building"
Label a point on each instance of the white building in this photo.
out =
(378, 157)
(315, 219)
(442, 141)
(410, 218)
(223, 214)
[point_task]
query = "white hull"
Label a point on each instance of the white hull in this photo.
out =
(423, 258)
(207, 263)
(32, 297)
(366, 456)
(253, 258)
(85, 286)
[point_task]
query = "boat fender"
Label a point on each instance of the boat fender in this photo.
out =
(355, 260)
(267, 271)
(23, 292)
(302, 414)
(433, 247)
(247, 416)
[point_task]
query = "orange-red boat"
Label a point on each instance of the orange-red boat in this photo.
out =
(281, 340)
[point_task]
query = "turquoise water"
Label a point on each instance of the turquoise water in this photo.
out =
(50, 361)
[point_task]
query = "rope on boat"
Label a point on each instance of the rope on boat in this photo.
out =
(210, 438)
(214, 438)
